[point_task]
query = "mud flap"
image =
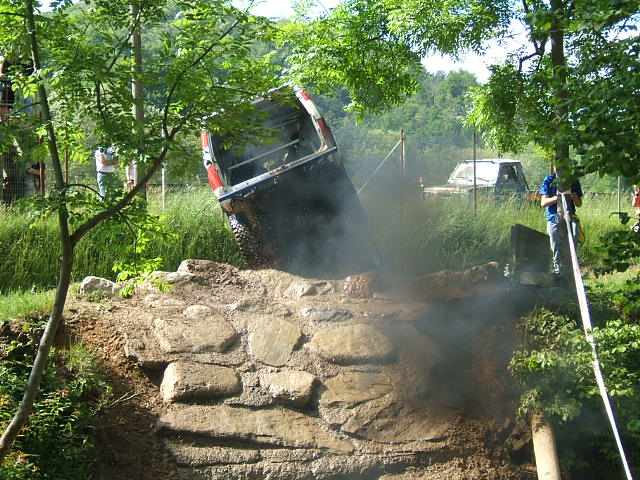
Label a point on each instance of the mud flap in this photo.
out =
(530, 255)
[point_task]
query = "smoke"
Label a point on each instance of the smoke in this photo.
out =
(476, 337)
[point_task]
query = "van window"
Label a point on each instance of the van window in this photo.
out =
(292, 137)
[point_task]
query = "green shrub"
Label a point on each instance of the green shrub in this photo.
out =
(555, 369)
(57, 443)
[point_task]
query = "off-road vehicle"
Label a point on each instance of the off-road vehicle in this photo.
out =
(289, 200)
(493, 176)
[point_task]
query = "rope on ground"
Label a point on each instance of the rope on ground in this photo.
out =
(586, 323)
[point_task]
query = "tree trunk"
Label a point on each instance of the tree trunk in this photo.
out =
(137, 87)
(559, 63)
(66, 262)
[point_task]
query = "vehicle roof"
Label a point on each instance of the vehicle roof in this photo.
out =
(493, 160)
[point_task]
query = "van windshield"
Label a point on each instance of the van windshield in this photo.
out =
(292, 136)
(486, 173)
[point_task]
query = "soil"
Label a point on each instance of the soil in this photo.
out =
(130, 450)
(471, 374)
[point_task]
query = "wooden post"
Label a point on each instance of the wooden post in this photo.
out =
(137, 87)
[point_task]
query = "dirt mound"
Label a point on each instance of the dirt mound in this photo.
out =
(263, 374)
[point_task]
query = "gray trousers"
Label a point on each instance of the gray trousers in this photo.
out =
(559, 245)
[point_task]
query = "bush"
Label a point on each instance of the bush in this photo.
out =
(554, 367)
(58, 441)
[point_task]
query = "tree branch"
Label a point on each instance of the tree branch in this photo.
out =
(198, 59)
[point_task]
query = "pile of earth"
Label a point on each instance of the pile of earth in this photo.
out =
(243, 374)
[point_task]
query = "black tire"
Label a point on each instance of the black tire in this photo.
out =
(247, 240)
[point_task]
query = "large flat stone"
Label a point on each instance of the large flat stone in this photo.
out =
(162, 300)
(324, 314)
(352, 388)
(185, 381)
(272, 427)
(272, 340)
(202, 456)
(352, 344)
(197, 335)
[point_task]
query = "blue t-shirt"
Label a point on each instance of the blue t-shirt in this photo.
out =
(550, 188)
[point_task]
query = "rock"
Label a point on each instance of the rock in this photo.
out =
(355, 387)
(153, 282)
(403, 423)
(185, 381)
(155, 300)
(446, 285)
(243, 305)
(284, 428)
(324, 288)
(290, 386)
(300, 288)
(142, 344)
(202, 456)
(361, 285)
(209, 334)
(353, 344)
(272, 340)
(213, 274)
(324, 314)
(197, 312)
(97, 284)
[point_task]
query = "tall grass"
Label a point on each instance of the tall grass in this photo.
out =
(29, 254)
(430, 235)
(203, 232)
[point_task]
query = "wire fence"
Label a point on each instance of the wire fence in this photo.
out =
(24, 179)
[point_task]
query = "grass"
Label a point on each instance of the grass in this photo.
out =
(431, 235)
(22, 305)
(31, 252)
(448, 233)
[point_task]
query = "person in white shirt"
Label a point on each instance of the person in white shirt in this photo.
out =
(106, 164)
(130, 172)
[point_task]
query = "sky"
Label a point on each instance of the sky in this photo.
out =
(473, 63)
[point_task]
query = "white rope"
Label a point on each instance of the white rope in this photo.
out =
(586, 323)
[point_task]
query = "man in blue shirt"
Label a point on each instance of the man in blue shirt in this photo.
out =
(556, 226)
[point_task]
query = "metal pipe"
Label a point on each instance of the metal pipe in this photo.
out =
(475, 189)
(377, 168)
(403, 174)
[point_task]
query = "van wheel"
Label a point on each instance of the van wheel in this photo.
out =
(248, 242)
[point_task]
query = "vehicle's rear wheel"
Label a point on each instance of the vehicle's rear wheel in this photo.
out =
(248, 241)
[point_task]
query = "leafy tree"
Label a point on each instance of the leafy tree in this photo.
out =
(432, 119)
(82, 76)
(552, 90)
